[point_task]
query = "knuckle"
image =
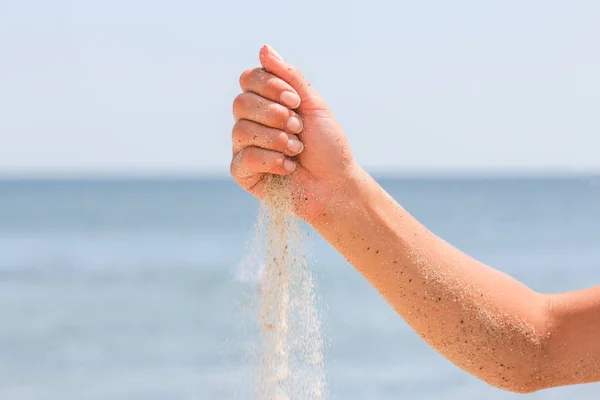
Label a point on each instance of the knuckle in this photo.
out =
(237, 103)
(274, 84)
(240, 165)
(249, 156)
(245, 78)
(240, 131)
(280, 140)
(234, 167)
(278, 111)
(251, 77)
(239, 100)
(278, 164)
(240, 104)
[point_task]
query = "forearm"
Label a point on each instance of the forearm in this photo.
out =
(482, 320)
(573, 350)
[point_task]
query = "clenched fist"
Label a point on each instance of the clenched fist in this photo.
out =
(284, 127)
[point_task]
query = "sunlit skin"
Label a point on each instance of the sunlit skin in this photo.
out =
(482, 320)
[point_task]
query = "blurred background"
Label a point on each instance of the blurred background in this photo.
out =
(123, 239)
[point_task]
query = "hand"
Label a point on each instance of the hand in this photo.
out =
(284, 127)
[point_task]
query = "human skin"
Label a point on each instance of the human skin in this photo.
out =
(482, 320)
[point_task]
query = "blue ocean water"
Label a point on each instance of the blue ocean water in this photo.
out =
(134, 289)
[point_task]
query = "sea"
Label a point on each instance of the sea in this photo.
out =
(138, 288)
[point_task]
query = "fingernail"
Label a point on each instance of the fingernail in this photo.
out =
(289, 99)
(289, 165)
(274, 53)
(294, 125)
(294, 146)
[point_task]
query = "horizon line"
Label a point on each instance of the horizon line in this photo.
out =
(447, 173)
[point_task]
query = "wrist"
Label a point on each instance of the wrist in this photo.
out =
(344, 198)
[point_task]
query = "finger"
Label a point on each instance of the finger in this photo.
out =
(252, 161)
(247, 133)
(274, 63)
(269, 86)
(255, 108)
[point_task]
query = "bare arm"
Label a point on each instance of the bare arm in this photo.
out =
(574, 337)
(482, 320)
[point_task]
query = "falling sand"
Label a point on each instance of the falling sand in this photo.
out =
(290, 352)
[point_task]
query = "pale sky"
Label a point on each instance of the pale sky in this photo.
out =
(145, 87)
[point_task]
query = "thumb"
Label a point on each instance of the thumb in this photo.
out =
(274, 63)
